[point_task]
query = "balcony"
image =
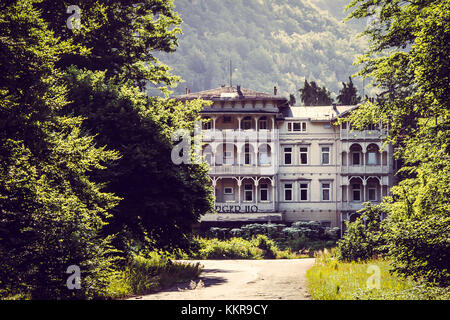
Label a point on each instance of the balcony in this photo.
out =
(238, 135)
(354, 206)
(242, 170)
(363, 134)
(367, 169)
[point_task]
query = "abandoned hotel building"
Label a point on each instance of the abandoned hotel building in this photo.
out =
(272, 162)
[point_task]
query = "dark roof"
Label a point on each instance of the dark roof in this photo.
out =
(231, 94)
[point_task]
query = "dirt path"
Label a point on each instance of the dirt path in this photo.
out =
(243, 280)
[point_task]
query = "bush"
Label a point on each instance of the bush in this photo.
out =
(234, 248)
(268, 247)
(362, 239)
(150, 272)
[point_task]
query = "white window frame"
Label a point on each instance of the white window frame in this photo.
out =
(249, 154)
(360, 192)
(266, 188)
(303, 152)
(322, 189)
(248, 190)
(228, 157)
(375, 193)
(300, 188)
(323, 152)
(291, 188)
(225, 188)
(284, 156)
(291, 126)
(359, 157)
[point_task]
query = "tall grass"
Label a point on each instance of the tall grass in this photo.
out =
(148, 274)
(330, 279)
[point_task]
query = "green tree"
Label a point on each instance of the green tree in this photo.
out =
(348, 95)
(161, 200)
(313, 95)
(119, 37)
(51, 212)
(408, 59)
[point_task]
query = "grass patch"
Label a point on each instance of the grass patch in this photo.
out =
(330, 279)
(144, 275)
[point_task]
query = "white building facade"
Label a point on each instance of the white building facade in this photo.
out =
(270, 162)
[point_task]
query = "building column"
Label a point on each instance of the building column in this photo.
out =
(273, 192)
(239, 183)
(256, 190)
(364, 190)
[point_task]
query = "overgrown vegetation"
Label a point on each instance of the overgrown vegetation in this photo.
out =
(303, 236)
(331, 279)
(256, 247)
(150, 272)
(85, 171)
(408, 61)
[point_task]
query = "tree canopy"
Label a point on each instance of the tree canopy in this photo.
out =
(408, 61)
(313, 95)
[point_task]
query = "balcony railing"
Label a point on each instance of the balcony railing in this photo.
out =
(238, 135)
(367, 169)
(242, 170)
(363, 134)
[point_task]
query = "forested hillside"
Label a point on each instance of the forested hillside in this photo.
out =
(269, 43)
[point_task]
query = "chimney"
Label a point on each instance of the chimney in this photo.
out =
(186, 90)
(239, 91)
(189, 90)
(274, 90)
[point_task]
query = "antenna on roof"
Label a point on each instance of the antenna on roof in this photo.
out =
(231, 75)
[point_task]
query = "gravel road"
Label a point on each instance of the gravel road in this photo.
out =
(242, 280)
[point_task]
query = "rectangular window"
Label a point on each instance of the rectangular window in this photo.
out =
(247, 155)
(288, 192)
(264, 192)
(326, 191)
(325, 155)
(287, 155)
(356, 159)
(262, 125)
(304, 191)
(248, 192)
(372, 158)
(208, 157)
(207, 125)
(246, 124)
(356, 188)
(303, 155)
(227, 190)
(372, 193)
(227, 157)
(296, 126)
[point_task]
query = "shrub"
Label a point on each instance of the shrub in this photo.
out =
(150, 272)
(362, 239)
(234, 248)
(268, 247)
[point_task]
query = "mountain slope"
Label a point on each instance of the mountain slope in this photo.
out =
(270, 42)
